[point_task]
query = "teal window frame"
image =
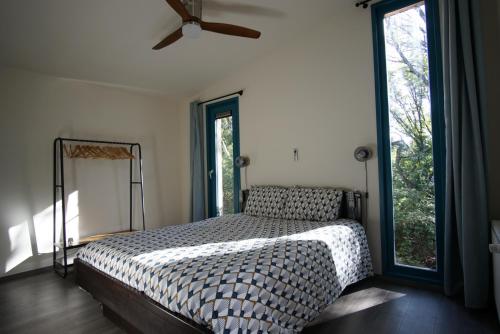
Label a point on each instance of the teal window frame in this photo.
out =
(212, 112)
(389, 266)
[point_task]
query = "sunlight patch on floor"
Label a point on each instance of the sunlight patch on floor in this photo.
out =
(356, 302)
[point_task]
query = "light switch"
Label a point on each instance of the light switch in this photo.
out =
(295, 154)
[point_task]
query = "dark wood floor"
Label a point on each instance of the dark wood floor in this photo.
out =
(378, 306)
(45, 303)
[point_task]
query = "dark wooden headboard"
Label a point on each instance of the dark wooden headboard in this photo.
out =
(352, 207)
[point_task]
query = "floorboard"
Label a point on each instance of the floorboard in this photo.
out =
(46, 303)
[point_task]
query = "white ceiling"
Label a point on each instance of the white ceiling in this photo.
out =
(110, 41)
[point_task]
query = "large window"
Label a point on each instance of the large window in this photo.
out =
(222, 149)
(410, 136)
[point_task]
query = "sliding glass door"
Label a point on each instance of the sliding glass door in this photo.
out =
(410, 137)
(222, 148)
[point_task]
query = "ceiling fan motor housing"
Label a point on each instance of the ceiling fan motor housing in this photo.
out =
(193, 7)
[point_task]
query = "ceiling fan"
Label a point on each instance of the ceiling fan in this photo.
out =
(192, 24)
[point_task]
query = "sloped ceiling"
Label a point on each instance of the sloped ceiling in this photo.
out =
(110, 41)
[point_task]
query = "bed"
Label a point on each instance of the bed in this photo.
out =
(230, 274)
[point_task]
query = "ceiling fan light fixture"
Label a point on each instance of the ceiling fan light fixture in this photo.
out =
(191, 29)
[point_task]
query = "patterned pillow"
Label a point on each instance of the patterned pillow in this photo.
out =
(266, 201)
(313, 204)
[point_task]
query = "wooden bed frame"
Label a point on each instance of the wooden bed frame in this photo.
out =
(137, 313)
(130, 309)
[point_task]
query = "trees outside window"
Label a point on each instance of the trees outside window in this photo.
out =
(411, 137)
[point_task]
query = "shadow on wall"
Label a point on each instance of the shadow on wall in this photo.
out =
(97, 192)
(26, 212)
(26, 241)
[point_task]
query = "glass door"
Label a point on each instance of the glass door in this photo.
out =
(222, 148)
(410, 137)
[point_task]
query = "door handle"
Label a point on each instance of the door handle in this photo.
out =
(210, 173)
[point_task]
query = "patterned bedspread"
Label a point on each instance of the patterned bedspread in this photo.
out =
(239, 272)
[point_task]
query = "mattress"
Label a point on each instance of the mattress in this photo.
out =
(237, 272)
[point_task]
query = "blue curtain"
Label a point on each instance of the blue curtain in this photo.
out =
(466, 265)
(197, 163)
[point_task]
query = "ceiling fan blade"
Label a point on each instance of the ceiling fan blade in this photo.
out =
(180, 9)
(173, 37)
(229, 29)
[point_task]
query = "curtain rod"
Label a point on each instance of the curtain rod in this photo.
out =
(240, 92)
(363, 3)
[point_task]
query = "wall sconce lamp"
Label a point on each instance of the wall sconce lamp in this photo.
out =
(363, 154)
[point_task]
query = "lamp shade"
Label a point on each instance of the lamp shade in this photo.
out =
(362, 153)
(241, 161)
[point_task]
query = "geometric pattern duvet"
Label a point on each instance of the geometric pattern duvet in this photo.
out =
(239, 273)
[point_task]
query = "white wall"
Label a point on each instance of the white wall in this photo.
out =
(315, 93)
(34, 110)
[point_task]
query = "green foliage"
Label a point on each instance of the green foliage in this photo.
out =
(411, 139)
(227, 165)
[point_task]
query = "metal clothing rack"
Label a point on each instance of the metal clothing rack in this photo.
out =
(61, 263)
